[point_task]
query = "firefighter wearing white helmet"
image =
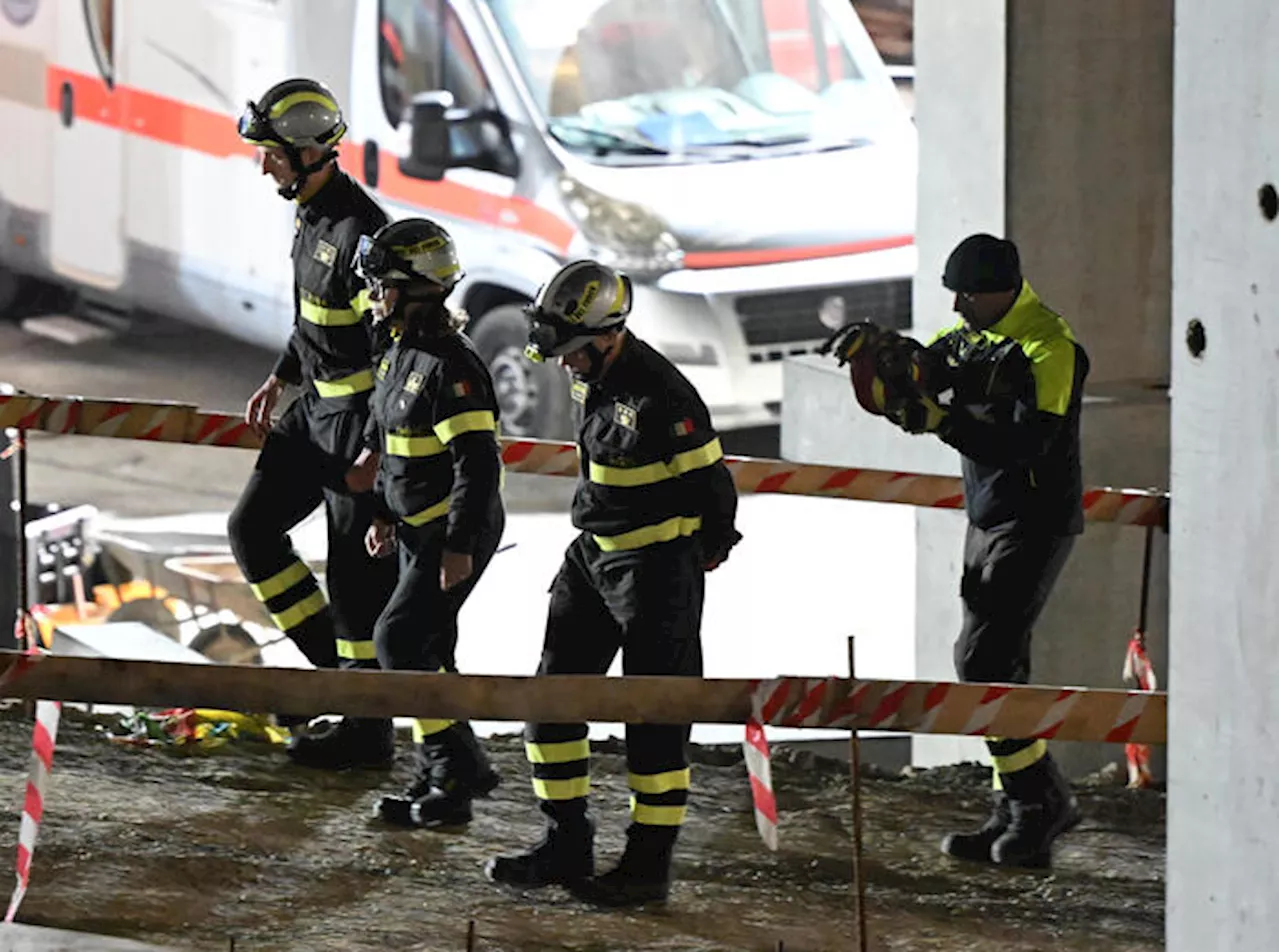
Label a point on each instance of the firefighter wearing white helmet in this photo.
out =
(295, 127)
(655, 506)
(431, 457)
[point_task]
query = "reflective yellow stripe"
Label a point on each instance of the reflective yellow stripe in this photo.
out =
(295, 615)
(996, 782)
(564, 752)
(430, 513)
(356, 650)
(413, 446)
(358, 382)
(362, 302)
(656, 816)
(673, 528)
(282, 581)
(562, 789)
(659, 783)
(680, 464)
(328, 316)
(425, 727)
(1022, 759)
(689, 460)
(627, 476)
(469, 422)
(293, 99)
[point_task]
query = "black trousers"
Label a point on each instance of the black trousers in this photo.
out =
(301, 465)
(648, 604)
(1008, 575)
(418, 628)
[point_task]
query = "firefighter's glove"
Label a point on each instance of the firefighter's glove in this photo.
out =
(713, 559)
(849, 340)
(920, 415)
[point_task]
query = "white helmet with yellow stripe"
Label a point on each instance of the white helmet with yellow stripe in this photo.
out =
(583, 300)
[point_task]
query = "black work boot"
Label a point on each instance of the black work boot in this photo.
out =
(453, 769)
(643, 875)
(1042, 808)
(351, 742)
(563, 857)
(975, 846)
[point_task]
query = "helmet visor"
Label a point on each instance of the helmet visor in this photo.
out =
(550, 336)
(254, 126)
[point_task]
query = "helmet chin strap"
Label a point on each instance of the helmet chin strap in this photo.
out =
(302, 171)
(596, 360)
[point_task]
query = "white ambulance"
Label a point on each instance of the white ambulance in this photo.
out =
(748, 162)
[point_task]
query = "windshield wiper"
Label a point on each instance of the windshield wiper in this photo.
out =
(602, 141)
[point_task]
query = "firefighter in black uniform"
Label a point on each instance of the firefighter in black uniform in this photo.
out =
(656, 506)
(1016, 376)
(432, 457)
(295, 127)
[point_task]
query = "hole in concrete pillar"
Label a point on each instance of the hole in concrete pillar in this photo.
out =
(1195, 337)
(1268, 202)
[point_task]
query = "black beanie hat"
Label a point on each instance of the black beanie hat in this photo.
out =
(983, 263)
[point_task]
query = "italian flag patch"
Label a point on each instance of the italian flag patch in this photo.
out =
(461, 388)
(684, 427)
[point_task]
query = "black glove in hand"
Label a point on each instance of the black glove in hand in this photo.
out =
(921, 415)
(848, 340)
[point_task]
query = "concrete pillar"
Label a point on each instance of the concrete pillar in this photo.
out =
(1049, 123)
(1222, 829)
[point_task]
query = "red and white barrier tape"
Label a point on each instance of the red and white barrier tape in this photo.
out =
(935, 707)
(43, 740)
(183, 423)
(755, 749)
(1139, 670)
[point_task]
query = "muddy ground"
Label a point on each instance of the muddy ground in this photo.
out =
(238, 849)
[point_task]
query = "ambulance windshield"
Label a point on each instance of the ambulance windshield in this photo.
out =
(677, 77)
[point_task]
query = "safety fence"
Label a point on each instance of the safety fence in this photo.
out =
(184, 423)
(1062, 713)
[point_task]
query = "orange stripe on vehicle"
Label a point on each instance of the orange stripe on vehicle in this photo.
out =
(734, 259)
(176, 123)
(473, 204)
(138, 112)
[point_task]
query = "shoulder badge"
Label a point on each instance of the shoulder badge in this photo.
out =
(414, 383)
(624, 415)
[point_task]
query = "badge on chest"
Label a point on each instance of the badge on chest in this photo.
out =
(325, 253)
(625, 415)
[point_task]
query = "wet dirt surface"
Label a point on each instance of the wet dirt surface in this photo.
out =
(195, 851)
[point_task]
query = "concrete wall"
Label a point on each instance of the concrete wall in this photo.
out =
(1049, 123)
(1222, 835)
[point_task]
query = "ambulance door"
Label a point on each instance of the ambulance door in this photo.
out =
(87, 230)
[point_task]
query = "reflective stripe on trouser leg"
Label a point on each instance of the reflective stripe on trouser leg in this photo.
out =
(426, 727)
(561, 760)
(659, 799)
(1010, 759)
(298, 607)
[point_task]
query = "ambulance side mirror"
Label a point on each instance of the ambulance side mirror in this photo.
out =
(443, 137)
(429, 151)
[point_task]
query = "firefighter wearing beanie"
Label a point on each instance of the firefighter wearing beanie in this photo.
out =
(1005, 385)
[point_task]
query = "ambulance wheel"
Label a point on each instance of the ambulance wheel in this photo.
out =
(533, 398)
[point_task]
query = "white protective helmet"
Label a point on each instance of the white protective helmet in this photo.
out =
(583, 300)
